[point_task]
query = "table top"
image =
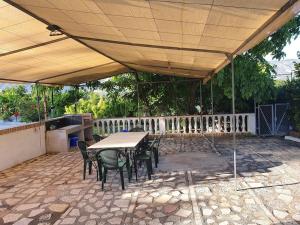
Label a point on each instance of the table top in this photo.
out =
(120, 140)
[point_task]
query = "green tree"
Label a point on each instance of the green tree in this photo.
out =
(92, 103)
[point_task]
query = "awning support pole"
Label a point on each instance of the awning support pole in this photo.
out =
(212, 109)
(233, 120)
(138, 103)
(201, 109)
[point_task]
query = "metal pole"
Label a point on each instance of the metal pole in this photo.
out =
(138, 102)
(201, 109)
(201, 102)
(212, 109)
(233, 120)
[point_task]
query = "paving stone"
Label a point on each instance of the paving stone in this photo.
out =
(158, 214)
(69, 220)
(5, 195)
(183, 213)
(147, 200)
(285, 198)
(11, 217)
(155, 222)
(207, 211)
(82, 219)
(24, 207)
(236, 208)
(102, 210)
(225, 211)
(60, 208)
(140, 214)
(122, 203)
(249, 201)
(296, 217)
(210, 221)
(224, 223)
(280, 214)
(115, 220)
(23, 221)
(107, 215)
(170, 208)
(91, 222)
(35, 212)
(89, 209)
(44, 217)
(94, 216)
(75, 212)
(162, 199)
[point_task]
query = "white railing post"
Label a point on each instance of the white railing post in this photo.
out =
(195, 124)
(251, 123)
(162, 125)
(245, 123)
(178, 125)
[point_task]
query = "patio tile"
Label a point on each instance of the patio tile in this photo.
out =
(50, 188)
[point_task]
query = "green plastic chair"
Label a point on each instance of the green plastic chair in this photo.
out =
(97, 137)
(155, 150)
(143, 155)
(113, 159)
(88, 159)
(153, 146)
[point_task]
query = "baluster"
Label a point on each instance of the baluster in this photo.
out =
(155, 125)
(97, 124)
(225, 124)
(232, 119)
(244, 123)
(219, 129)
(178, 124)
(128, 124)
(103, 126)
(150, 126)
(238, 123)
(173, 127)
(144, 120)
(108, 126)
(118, 122)
(184, 125)
(201, 124)
(195, 124)
(213, 123)
(113, 126)
(190, 124)
(167, 125)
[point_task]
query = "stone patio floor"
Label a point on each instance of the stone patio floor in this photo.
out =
(193, 185)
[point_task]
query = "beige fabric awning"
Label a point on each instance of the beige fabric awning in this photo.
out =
(102, 38)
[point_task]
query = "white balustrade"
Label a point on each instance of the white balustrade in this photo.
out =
(197, 124)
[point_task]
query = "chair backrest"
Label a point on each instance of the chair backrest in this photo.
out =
(110, 157)
(136, 129)
(83, 149)
(157, 142)
(97, 137)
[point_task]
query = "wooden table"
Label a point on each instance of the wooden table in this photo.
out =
(120, 140)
